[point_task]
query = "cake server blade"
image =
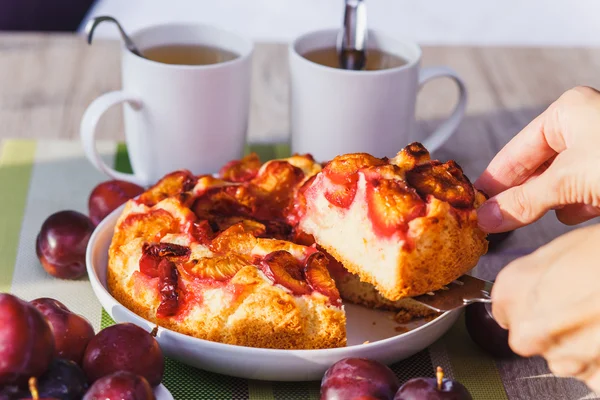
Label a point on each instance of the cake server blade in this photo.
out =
(459, 293)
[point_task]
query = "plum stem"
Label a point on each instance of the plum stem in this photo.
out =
(33, 388)
(439, 373)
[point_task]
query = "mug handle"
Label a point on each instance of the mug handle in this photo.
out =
(87, 132)
(448, 127)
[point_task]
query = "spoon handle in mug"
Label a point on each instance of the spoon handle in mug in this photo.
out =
(352, 39)
(94, 22)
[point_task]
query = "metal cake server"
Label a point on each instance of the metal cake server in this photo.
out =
(459, 293)
(352, 39)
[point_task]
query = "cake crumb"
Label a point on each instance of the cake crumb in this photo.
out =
(366, 342)
(403, 316)
(401, 329)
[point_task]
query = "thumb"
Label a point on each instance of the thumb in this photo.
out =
(566, 181)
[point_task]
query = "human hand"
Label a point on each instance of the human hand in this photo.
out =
(549, 302)
(553, 163)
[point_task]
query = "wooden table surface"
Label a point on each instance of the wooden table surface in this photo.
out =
(47, 81)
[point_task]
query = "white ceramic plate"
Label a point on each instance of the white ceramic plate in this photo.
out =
(162, 393)
(385, 343)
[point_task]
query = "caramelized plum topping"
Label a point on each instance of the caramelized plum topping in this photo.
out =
(225, 200)
(319, 279)
(283, 268)
(306, 163)
(149, 265)
(275, 187)
(152, 254)
(343, 195)
(392, 205)
(243, 198)
(277, 229)
(170, 250)
(342, 172)
(218, 268)
(167, 286)
(342, 168)
(205, 183)
(238, 238)
(186, 199)
(335, 268)
(265, 197)
(170, 185)
(388, 171)
(278, 176)
(303, 238)
(411, 156)
(203, 232)
(446, 182)
(241, 170)
(151, 226)
(256, 228)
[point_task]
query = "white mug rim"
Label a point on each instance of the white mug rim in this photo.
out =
(243, 56)
(413, 62)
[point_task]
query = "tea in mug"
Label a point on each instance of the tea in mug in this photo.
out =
(376, 59)
(188, 54)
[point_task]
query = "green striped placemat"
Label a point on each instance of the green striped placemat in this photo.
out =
(40, 179)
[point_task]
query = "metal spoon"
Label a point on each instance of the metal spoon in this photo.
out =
(352, 39)
(93, 23)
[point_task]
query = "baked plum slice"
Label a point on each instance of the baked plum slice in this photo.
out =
(241, 170)
(170, 185)
(319, 279)
(218, 268)
(152, 254)
(342, 173)
(411, 156)
(446, 182)
(391, 204)
(283, 268)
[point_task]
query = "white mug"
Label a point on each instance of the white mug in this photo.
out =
(335, 111)
(191, 117)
